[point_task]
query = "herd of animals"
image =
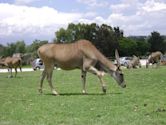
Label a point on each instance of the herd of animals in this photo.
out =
(82, 55)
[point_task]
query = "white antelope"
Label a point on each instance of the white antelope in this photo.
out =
(82, 55)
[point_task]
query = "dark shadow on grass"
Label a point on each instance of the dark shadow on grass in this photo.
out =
(69, 94)
(115, 93)
(13, 77)
(88, 94)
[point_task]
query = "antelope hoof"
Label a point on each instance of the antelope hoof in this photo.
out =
(84, 92)
(10, 76)
(54, 93)
(104, 89)
(101, 74)
(40, 90)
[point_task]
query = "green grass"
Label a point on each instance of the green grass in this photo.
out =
(26, 66)
(143, 102)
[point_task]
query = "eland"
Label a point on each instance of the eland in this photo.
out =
(11, 62)
(154, 58)
(134, 62)
(82, 55)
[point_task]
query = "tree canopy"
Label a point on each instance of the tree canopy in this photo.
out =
(21, 47)
(104, 37)
(157, 42)
(107, 39)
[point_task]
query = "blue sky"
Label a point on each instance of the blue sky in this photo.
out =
(39, 19)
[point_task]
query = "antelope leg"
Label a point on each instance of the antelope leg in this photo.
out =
(49, 78)
(41, 81)
(83, 77)
(15, 71)
(100, 74)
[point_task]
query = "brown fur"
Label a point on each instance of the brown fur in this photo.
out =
(134, 62)
(11, 62)
(154, 58)
(82, 55)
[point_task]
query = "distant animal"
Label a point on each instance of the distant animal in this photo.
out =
(163, 60)
(163, 63)
(82, 55)
(19, 55)
(134, 62)
(11, 62)
(154, 58)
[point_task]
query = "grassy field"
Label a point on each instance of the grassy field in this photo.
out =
(143, 102)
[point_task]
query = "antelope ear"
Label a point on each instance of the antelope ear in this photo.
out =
(117, 57)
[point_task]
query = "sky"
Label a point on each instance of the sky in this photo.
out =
(39, 19)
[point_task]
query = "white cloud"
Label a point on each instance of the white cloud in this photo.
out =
(31, 20)
(133, 16)
(24, 2)
(90, 15)
(152, 6)
(139, 18)
(99, 20)
(94, 3)
(119, 7)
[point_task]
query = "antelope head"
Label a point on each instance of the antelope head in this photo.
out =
(117, 74)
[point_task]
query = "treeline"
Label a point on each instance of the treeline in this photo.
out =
(107, 39)
(21, 47)
(104, 37)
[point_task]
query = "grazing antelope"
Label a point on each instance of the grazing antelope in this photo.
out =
(134, 62)
(154, 58)
(11, 62)
(82, 55)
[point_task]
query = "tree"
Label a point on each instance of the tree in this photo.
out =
(142, 45)
(34, 46)
(142, 48)
(127, 47)
(20, 47)
(156, 42)
(63, 36)
(2, 48)
(106, 41)
(104, 37)
(10, 49)
(118, 33)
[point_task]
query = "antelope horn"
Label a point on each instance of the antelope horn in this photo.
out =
(117, 57)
